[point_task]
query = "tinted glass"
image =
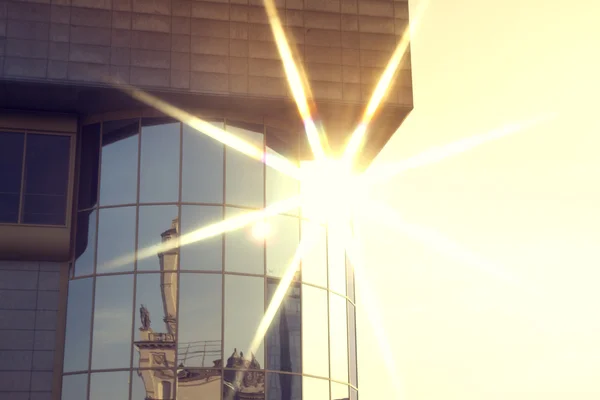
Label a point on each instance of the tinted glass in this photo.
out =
(206, 254)
(159, 168)
(244, 252)
(338, 331)
(79, 319)
(284, 387)
(314, 259)
(118, 172)
(244, 176)
(196, 384)
(315, 339)
(85, 242)
(11, 167)
(112, 322)
(352, 344)
(116, 239)
(46, 179)
(200, 320)
(74, 387)
(313, 388)
(202, 173)
(244, 309)
(89, 166)
(153, 384)
(153, 223)
(336, 263)
(109, 385)
(282, 243)
(284, 337)
(339, 391)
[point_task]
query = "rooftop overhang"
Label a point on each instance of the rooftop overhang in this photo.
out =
(337, 119)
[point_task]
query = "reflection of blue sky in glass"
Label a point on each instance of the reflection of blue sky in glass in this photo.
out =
(109, 385)
(159, 167)
(314, 259)
(79, 318)
(244, 176)
(314, 388)
(112, 322)
(153, 221)
(243, 252)
(282, 243)
(338, 331)
(315, 357)
(202, 172)
(244, 308)
(84, 265)
(74, 387)
(199, 318)
(206, 255)
(116, 238)
(118, 173)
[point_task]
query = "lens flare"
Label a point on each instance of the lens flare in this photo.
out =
(295, 80)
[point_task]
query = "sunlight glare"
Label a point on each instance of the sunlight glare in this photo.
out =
(261, 230)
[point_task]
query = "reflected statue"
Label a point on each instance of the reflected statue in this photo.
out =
(145, 318)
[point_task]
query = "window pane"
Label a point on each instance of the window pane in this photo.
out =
(156, 308)
(11, 167)
(79, 318)
(159, 168)
(199, 384)
(112, 322)
(313, 388)
(339, 391)
(314, 260)
(244, 309)
(352, 344)
(46, 179)
(154, 223)
(85, 248)
(116, 239)
(202, 173)
(315, 357)
(283, 339)
(206, 254)
(336, 256)
(243, 251)
(118, 172)
(74, 387)
(199, 320)
(109, 385)
(284, 387)
(244, 176)
(282, 243)
(89, 166)
(338, 331)
(153, 384)
(280, 186)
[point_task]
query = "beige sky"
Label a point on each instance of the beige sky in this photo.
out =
(528, 203)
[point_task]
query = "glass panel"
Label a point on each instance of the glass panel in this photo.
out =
(315, 357)
(202, 173)
(313, 388)
(200, 320)
(336, 258)
(89, 166)
(156, 303)
(314, 260)
(350, 279)
(352, 344)
(284, 387)
(244, 176)
(206, 254)
(11, 167)
(85, 247)
(280, 186)
(112, 322)
(159, 165)
(282, 243)
(74, 387)
(118, 172)
(244, 251)
(153, 384)
(155, 224)
(46, 179)
(283, 339)
(116, 240)
(339, 391)
(244, 309)
(338, 331)
(109, 385)
(199, 384)
(79, 318)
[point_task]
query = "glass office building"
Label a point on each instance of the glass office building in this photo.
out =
(97, 299)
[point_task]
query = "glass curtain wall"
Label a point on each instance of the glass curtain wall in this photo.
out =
(149, 320)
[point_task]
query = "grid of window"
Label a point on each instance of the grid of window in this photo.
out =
(34, 178)
(178, 323)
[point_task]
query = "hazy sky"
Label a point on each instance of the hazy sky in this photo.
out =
(528, 203)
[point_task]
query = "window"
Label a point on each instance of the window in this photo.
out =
(34, 178)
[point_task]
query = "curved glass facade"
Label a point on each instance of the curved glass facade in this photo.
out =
(177, 325)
